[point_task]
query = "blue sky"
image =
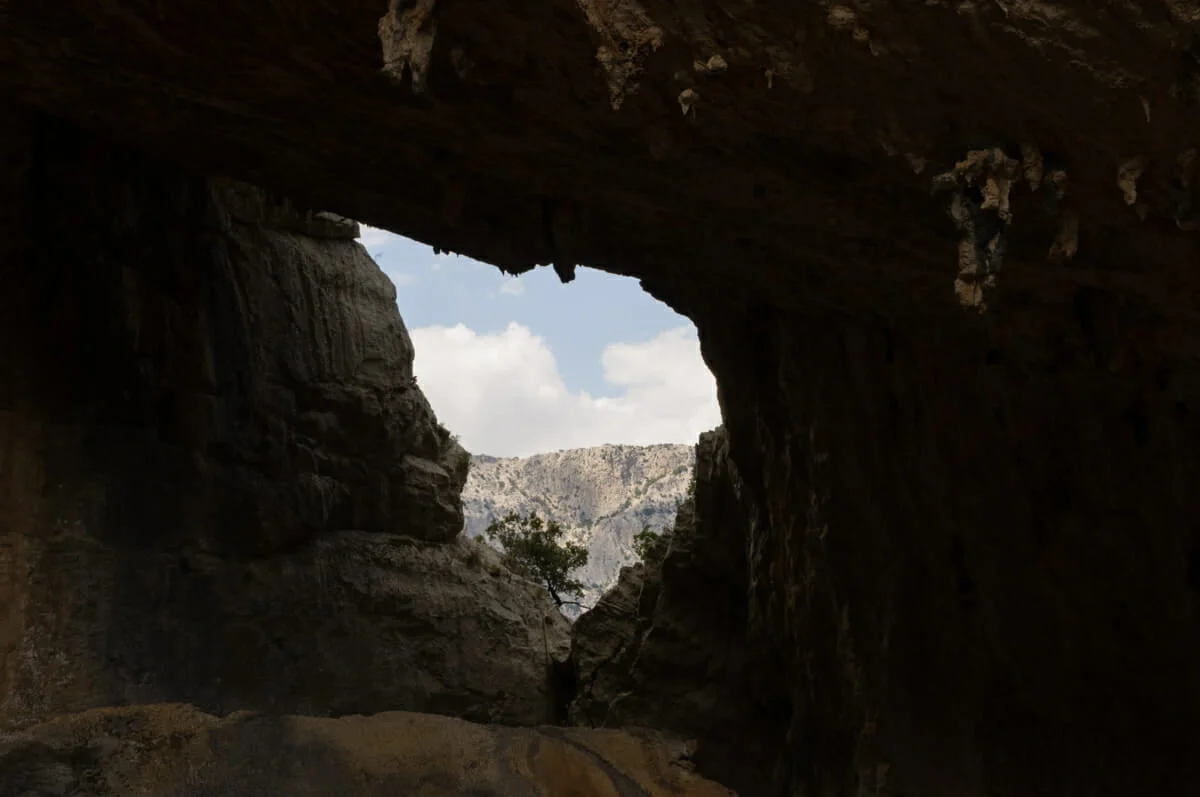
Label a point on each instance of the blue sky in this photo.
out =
(519, 365)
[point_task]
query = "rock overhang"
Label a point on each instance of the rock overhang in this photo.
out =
(971, 542)
(784, 154)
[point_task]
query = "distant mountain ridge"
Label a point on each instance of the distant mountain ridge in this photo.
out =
(602, 496)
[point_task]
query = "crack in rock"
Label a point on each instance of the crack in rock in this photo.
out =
(840, 17)
(406, 34)
(626, 32)
(1183, 189)
(979, 207)
(1128, 174)
(687, 102)
(1032, 165)
(1066, 241)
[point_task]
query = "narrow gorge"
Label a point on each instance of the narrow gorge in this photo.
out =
(601, 496)
(941, 261)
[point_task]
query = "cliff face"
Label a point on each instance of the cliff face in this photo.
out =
(941, 603)
(668, 646)
(941, 263)
(202, 388)
(602, 496)
(984, 561)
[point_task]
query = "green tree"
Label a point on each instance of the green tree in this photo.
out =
(645, 541)
(537, 551)
(651, 546)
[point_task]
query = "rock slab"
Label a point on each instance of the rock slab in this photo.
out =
(174, 750)
(349, 623)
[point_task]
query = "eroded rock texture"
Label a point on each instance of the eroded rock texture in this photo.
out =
(202, 388)
(667, 647)
(176, 751)
(602, 496)
(972, 556)
(975, 561)
(966, 603)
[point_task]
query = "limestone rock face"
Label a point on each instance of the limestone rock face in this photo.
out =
(189, 424)
(601, 496)
(667, 646)
(176, 751)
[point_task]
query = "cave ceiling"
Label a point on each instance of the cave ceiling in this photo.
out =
(794, 153)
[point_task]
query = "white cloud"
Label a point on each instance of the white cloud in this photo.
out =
(402, 279)
(512, 287)
(373, 237)
(503, 393)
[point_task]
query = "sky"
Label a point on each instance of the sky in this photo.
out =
(524, 365)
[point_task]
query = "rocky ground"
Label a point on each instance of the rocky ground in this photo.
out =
(177, 751)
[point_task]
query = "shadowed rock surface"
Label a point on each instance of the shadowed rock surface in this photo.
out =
(176, 751)
(350, 623)
(667, 647)
(201, 387)
(942, 263)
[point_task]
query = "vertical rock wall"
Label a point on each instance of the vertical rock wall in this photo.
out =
(973, 558)
(971, 562)
(201, 388)
(667, 647)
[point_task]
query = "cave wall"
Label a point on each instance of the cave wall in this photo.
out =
(159, 309)
(972, 563)
(668, 646)
(973, 559)
(970, 555)
(218, 480)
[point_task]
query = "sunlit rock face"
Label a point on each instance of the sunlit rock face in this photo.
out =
(601, 496)
(220, 483)
(942, 264)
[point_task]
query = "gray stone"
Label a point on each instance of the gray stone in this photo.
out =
(602, 496)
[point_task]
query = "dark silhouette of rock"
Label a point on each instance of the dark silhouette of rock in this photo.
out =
(941, 258)
(220, 483)
(667, 646)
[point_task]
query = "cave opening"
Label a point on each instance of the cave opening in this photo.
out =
(521, 365)
(579, 403)
(965, 542)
